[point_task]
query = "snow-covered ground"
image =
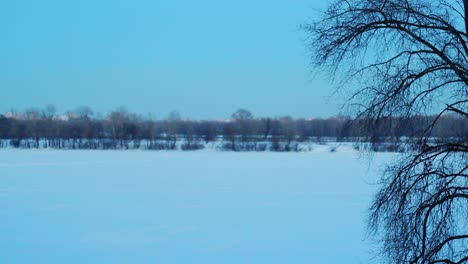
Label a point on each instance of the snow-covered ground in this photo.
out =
(185, 207)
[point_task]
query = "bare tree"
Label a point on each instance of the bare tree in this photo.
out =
(289, 131)
(208, 130)
(48, 114)
(35, 125)
(244, 123)
(403, 58)
(172, 125)
(84, 112)
(117, 120)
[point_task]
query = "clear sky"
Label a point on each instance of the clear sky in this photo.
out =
(203, 58)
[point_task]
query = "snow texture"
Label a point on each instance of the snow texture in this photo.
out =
(185, 207)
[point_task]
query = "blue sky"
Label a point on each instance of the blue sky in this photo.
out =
(203, 58)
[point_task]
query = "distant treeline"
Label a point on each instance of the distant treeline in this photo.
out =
(81, 129)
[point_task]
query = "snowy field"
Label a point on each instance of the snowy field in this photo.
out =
(185, 207)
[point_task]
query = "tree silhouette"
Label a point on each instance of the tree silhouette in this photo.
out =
(407, 58)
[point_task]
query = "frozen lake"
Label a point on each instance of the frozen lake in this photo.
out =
(185, 207)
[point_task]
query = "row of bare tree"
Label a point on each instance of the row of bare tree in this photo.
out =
(80, 129)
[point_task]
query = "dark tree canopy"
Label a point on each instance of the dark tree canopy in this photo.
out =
(402, 58)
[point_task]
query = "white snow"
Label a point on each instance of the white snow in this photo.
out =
(185, 207)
